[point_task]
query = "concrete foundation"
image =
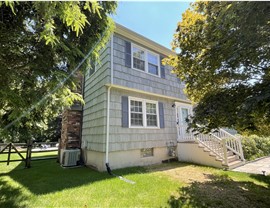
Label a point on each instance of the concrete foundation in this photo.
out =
(191, 152)
(123, 159)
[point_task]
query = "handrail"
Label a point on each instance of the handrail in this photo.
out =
(213, 143)
(218, 142)
(232, 143)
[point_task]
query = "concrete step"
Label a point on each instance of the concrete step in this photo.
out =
(229, 153)
(235, 164)
(232, 158)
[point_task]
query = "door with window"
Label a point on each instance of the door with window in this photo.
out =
(182, 113)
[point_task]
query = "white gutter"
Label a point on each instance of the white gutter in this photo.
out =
(148, 93)
(108, 107)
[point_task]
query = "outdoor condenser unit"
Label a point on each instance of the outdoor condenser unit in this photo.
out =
(70, 157)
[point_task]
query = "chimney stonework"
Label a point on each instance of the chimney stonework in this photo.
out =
(72, 122)
(71, 129)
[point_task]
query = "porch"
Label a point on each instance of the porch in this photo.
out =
(218, 149)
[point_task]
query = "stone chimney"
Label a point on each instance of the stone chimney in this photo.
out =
(72, 122)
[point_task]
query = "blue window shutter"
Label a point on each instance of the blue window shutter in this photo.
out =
(162, 67)
(127, 54)
(125, 113)
(161, 115)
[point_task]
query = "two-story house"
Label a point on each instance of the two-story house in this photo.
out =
(135, 109)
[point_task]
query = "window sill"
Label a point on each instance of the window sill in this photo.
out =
(149, 157)
(141, 127)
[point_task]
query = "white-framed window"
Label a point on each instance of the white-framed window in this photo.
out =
(136, 113)
(143, 113)
(153, 63)
(145, 60)
(138, 58)
(151, 114)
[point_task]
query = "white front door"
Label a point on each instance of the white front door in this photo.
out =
(182, 113)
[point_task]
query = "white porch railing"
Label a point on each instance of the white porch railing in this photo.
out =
(218, 142)
(183, 135)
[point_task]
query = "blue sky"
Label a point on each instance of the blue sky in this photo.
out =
(154, 20)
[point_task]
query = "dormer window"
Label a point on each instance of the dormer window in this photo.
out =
(145, 60)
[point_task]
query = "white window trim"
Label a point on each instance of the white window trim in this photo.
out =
(144, 101)
(145, 60)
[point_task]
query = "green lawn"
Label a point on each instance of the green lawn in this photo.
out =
(46, 184)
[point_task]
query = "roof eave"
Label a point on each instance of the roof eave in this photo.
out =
(133, 36)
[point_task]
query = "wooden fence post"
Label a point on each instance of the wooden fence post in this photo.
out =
(9, 153)
(28, 154)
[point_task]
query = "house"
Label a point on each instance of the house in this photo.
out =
(135, 111)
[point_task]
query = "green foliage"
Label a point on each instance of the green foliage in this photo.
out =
(255, 147)
(40, 46)
(224, 60)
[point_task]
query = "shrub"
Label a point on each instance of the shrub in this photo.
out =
(255, 146)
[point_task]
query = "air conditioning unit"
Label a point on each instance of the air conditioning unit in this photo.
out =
(69, 157)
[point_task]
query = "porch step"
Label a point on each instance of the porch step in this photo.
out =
(234, 164)
(210, 149)
(232, 158)
(229, 153)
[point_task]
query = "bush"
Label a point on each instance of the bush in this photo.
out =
(255, 146)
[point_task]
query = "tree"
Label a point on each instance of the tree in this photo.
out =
(41, 43)
(224, 52)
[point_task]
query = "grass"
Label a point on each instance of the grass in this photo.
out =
(46, 184)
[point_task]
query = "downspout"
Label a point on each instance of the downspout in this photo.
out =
(83, 152)
(108, 122)
(108, 113)
(112, 60)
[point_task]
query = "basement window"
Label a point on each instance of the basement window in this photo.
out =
(147, 152)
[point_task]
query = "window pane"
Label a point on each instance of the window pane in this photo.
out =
(136, 119)
(147, 152)
(152, 59)
(153, 69)
(151, 120)
(136, 113)
(184, 112)
(151, 108)
(136, 106)
(138, 53)
(151, 114)
(138, 64)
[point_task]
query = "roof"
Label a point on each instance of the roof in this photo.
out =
(121, 30)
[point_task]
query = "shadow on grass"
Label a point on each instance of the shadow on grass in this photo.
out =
(222, 192)
(48, 176)
(10, 196)
(262, 178)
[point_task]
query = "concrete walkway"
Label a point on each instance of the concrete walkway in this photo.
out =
(256, 166)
